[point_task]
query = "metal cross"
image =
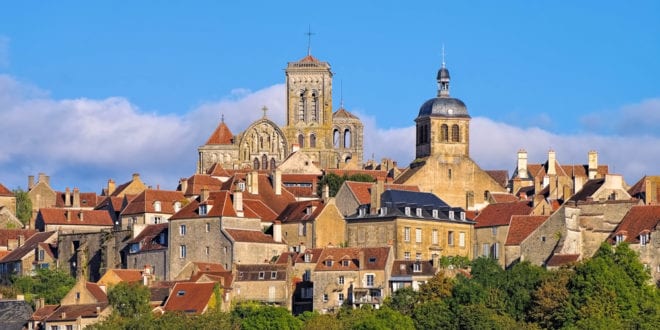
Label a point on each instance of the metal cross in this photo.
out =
(264, 109)
(309, 40)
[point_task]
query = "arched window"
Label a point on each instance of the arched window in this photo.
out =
(272, 164)
(261, 142)
(255, 163)
(455, 134)
(335, 138)
(347, 138)
(301, 140)
(312, 141)
(347, 160)
(315, 107)
(444, 133)
(486, 193)
(301, 106)
(264, 162)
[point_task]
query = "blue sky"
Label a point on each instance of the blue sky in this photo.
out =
(95, 91)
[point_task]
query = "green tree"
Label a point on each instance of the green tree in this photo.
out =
(403, 300)
(434, 314)
(256, 316)
(334, 181)
(130, 300)
(550, 305)
(367, 317)
(314, 320)
(52, 285)
(438, 287)
(23, 206)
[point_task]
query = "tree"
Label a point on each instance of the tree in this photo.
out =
(23, 206)
(52, 285)
(130, 300)
(255, 316)
(367, 317)
(438, 287)
(550, 305)
(334, 181)
(434, 314)
(403, 300)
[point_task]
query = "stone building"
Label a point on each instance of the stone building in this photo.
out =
(25, 258)
(151, 207)
(417, 225)
(312, 224)
(492, 228)
(351, 195)
(647, 189)
(7, 199)
(149, 248)
(90, 254)
(442, 162)
(328, 139)
(266, 283)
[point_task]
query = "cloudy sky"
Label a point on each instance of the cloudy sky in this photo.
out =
(92, 92)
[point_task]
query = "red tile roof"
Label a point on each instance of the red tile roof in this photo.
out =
(73, 312)
(562, 259)
(309, 59)
(148, 237)
(189, 297)
(198, 182)
(57, 216)
(209, 267)
(500, 214)
(29, 246)
(42, 313)
(522, 226)
(362, 190)
(301, 211)
(114, 201)
(4, 191)
(97, 292)
(300, 257)
(87, 199)
(253, 236)
(500, 176)
(217, 170)
(639, 219)
(128, 275)
(406, 268)
(220, 202)
(7, 234)
(336, 255)
(221, 135)
(503, 197)
(145, 201)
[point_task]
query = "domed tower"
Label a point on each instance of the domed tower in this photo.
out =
(443, 123)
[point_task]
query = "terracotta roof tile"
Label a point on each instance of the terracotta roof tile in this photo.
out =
(57, 216)
(198, 182)
(503, 197)
(362, 190)
(87, 199)
(301, 211)
(209, 267)
(29, 246)
(189, 297)
(73, 312)
(562, 259)
(500, 214)
(375, 258)
(254, 236)
(128, 275)
(7, 234)
(4, 191)
(145, 202)
(221, 135)
(500, 176)
(97, 292)
(639, 219)
(42, 313)
(116, 202)
(522, 226)
(217, 170)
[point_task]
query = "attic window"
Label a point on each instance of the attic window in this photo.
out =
(644, 238)
(417, 267)
(451, 215)
(262, 275)
(308, 257)
(383, 211)
(463, 216)
(273, 275)
(418, 211)
(361, 211)
(177, 206)
(157, 207)
(435, 213)
(308, 210)
(372, 259)
(181, 293)
(241, 186)
(407, 210)
(328, 263)
(202, 209)
(345, 262)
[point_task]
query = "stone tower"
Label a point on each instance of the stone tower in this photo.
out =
(347, 138)
(443, 124)
(309, 109)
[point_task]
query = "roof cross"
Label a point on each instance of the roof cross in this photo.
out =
(309, 40)
(264, 109)
(443, 55)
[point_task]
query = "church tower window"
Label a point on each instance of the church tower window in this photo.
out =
(335, 138)
(312, 141)
(444, 133)
(256, 163)
(455, 134)
(272, 163)
(347, 138)
(315, 107)
(301, 106)
(301, 140)
(264, 162)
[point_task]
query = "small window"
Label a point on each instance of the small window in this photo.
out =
(262, 275)
(370, 279)
(41, 255)
(418, 235)
(406, 234)
(273, 275)
(417, 267)
(407, 210)
(329, 263)
(207, 250)
(340, 280)
(435, 214)
(463, 216)
(372, 259)
(308, 257)
(450, 237)
(181, 293)
(434, 237)
(158, 219)
(493, 231)
(308, 275)
(177, 206)
(451, 215)
(182, 230)
(208, 227)
(340, 297)
(418, 211)
(325, 297)
(406, 255)
(345, 262)
(418, 256)
(182, 251)
(203, 209)
(135, 247)
(240, 274)
(461, 239)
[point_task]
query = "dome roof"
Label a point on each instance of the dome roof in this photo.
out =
(443, 73)
(444, 107)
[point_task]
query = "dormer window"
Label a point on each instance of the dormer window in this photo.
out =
(463, 216)
(273, 275)
(329, 263)
(407, 210)
(435, 214)
(417, 267)
(362, 211)
(241, 186)
(451, 215)
(308, 210)
(157, 207)
(177, 206)
(418, 211)
(308, 257)
(345, 262)
(372, 260)
(262, 275)
(644, 238)
(618, 238)
(383, 211)
(203, 209)
(135, 247)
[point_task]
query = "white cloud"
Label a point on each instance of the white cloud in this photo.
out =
(84, 142)
(630, 120)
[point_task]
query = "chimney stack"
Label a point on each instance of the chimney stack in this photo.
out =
(204, 195)
(44, 178)
(522, 164)
(111, 186)
(552, 158)
(377, 189)
(253, 182)
(67, 197)
(593, 164)
(136, 176)
(30, 182)
(183, 183)
(277, 231)
(76, 198)
(277, 182)
(238, 202)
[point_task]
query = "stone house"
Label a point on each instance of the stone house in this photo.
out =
(26, 257)
(351, 195)
(7, 199)
(8, 219)
(492, 228)
(302, 264)
(411, 274)
(85, 304)
(647, 189)
(640, 228)
(191, 298)
(312, 223)
(520, 227)
(353, 276)
(90, 254)
(129, 188)
(266, 283)
(151, 207)
(115, 276)
(417, 225)
(149, 247)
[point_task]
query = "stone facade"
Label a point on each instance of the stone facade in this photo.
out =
(90, 255)
(266, 283)
(305, 227)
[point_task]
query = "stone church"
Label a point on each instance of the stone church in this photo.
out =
(330, 140)
(442, 163)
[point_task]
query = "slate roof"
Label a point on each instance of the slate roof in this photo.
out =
(221, 135)
(405, 268)
(499, 214)
(522, 226)
(29, 246)
(145, 201)
(245, 273)
(5, 192)
(57, 216)
(557, 260)
(420, 199)
(249, 236)
(14, 314)
(149, 237)
(639, 219)
(189, 297)
(7, 234)
(362, 190)
(72, 312)
(375, 258)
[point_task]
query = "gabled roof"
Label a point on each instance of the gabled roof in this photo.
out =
(639, 187)
(5, 192)
(197, 182)
(126, 275)
(29, 246)
(217, 170)
(557, 260)
(250, 236)
(362, 190)
(500, 214)
(407, 268)
(375, 258)
(115, 202)
(189, 297)
(73, 312)
(43, 312)
(96, 291)
(221, 135)
(522, 226)
(343, 113)
(7, 234)
(148, 237)
(301, 211)
(639, 219)
(145, 201)
(589, 188)
(220, 202)
(500, 176)
(57, 216)
(503, 197)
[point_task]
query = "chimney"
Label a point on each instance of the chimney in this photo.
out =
(593, 164)
(277, 231)
(111, 186)
(361, 259)
(136, 176)
(552, 158)
(30, 182)
(67, 197)
(238, 202)
(277, 182)
(80, 215)
(68, 215)
(578, 183)
(522, 164)
(44, 178)
(326, 192)
(253, 182)
(76, 198)
(21, 240)
(376, 190)
(204, 195)
(39, 303)
(183, 183)
(295, 147)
